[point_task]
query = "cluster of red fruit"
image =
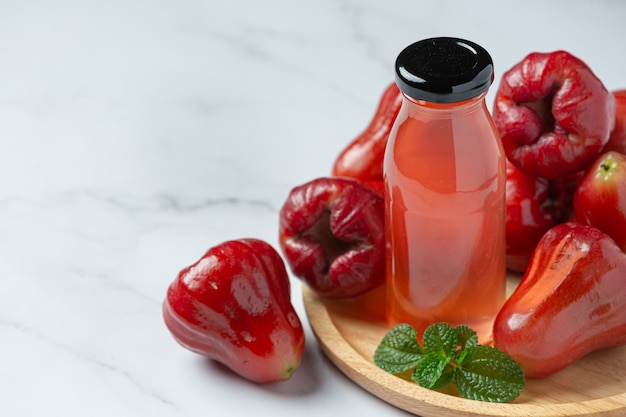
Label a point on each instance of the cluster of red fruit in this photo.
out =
(565, 143)
(564, 136)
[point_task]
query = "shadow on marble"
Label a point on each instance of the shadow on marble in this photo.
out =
(305, 381)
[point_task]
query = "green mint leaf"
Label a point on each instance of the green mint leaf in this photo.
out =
(450, 354)
(440, 339)
(489, 374)
(467, 340)
(447, 376)
(399, 350)
(433, 372)
(466, 336)
(462, 354)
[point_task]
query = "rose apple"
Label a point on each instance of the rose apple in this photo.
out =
(617, 140)
(553, 113)
(600, 198)
(234, 306)
(571, 301)
(562, 195)
(529, 215)
(332, 233)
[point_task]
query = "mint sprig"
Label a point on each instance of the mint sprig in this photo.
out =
(451, 355)
(399, 350)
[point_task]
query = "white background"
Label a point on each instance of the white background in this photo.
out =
(136, 134)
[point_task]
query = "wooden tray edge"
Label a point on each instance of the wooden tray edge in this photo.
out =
(427, 403)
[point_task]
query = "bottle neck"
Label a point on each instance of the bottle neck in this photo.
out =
(446, 109)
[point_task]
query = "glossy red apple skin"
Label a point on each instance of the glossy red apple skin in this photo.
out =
(600, 198)
(529, 215)
(617, 140)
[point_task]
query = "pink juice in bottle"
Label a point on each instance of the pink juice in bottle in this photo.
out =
(445, 176)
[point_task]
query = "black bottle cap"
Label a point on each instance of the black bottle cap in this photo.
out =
(444, 70)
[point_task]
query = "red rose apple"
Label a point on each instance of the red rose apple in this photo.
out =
(332, 233)
(529, 215)
(617, 140)
(600, 198)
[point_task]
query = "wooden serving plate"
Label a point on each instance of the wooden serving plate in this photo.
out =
(350, 330)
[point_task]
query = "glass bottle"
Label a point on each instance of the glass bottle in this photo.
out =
(444, 174)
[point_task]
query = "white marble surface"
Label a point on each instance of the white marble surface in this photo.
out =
(135, 134)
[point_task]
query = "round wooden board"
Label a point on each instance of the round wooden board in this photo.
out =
(350, 330)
